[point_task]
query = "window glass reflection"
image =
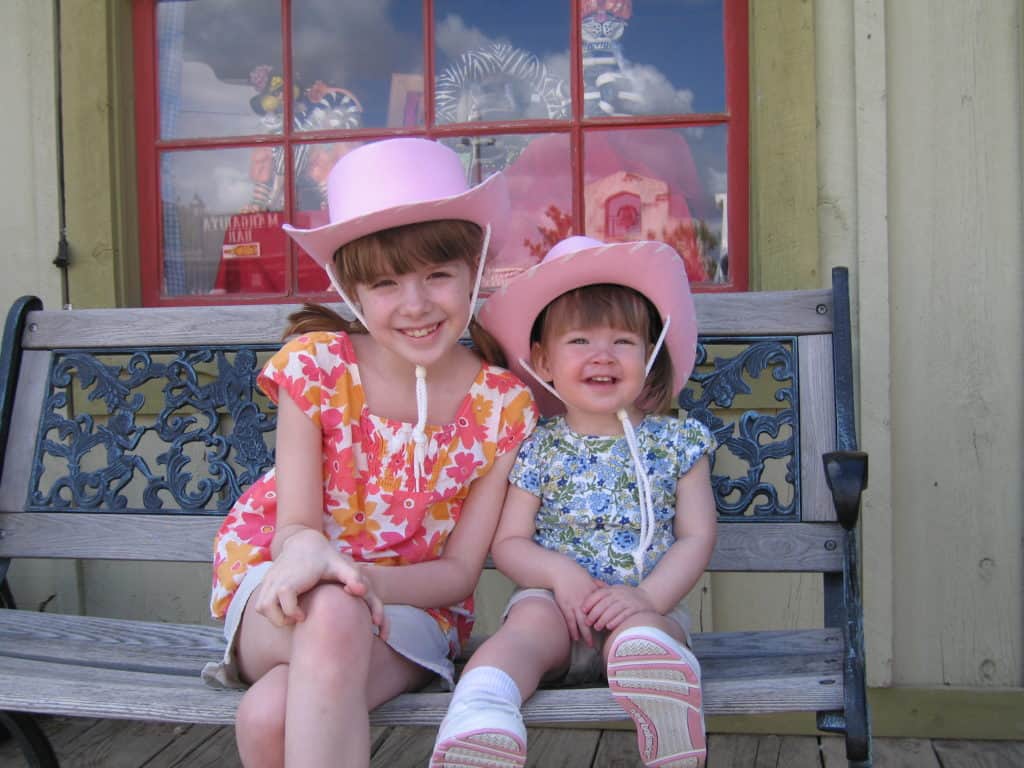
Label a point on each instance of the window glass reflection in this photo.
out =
(214, 240)
(358, 64)
(495, 62)
(208, 55)
(661, 184)
(538, 170)
(654, 57)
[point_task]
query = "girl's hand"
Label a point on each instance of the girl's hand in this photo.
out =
(607, 607)
(306, 558)
(363, 587)
(571, 585)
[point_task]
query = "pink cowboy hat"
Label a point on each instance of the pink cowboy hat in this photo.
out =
(652, 268)
(400, 181)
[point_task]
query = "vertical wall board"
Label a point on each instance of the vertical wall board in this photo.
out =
(871, 45)
(29, 201)
(955, 203)
(784, 232)
(87, 106)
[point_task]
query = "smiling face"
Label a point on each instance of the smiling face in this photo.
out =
(592, 345)
(418, 315)
(414, 284)
(597, 371)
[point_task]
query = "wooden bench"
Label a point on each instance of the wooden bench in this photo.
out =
(127, 434)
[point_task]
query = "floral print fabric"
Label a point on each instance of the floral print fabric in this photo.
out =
(372, 508)
(589, 506)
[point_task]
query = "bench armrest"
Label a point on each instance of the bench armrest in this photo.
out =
(847, 475)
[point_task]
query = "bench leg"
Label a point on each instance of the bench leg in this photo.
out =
(31, 739)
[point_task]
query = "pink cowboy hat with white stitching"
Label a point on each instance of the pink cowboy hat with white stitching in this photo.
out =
(652, 268)
(400, 181)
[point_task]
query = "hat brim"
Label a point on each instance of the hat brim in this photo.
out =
(652, 268)
(486, 203)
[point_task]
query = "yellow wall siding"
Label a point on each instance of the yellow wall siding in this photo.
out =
(29, 198)
(97, 110)
(955, 203)
(784, 231)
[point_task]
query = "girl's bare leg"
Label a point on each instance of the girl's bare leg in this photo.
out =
(532, 643)
(309, 705)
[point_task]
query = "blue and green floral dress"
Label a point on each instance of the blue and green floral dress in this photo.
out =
(589, 506)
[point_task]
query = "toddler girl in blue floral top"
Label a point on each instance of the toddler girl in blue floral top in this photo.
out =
(610, 519)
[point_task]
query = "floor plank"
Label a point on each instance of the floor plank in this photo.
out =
(904, 753)
(731, 751)
(200, 747)
(561, 747)
(979, 754)
(81, 743)
(404, 747)
(618, 749)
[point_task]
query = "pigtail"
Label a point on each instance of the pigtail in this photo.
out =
(317, 317)
(486, 345)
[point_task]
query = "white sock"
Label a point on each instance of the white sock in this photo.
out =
(488, 682)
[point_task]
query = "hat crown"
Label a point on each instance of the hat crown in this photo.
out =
(569, 246)
(384, 175)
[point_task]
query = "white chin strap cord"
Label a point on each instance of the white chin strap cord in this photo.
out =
(648, 521)
(419, 433)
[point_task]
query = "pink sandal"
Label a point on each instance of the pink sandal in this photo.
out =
(656, 679)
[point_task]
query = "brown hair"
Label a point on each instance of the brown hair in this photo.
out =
(617, 307)
(399, 250)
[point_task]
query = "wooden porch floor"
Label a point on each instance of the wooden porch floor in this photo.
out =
(128, 744)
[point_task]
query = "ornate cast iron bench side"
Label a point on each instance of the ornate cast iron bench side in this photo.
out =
(127, 433)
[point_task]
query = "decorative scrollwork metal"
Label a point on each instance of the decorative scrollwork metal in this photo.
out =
(168, 430)
(755, 437)
(193, 452)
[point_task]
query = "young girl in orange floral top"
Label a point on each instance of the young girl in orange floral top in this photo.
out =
(360, 550)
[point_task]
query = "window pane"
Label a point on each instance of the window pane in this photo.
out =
(216, 240)
(661, 184)
(652, 58)
(357, 63)
(496, 62)
(540, 187)
(217, 66)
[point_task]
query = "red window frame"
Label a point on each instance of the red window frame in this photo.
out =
(150, 145)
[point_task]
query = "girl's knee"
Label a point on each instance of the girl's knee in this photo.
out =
(334, 620)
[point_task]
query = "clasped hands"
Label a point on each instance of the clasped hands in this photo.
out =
(305, 560)
(590, 605)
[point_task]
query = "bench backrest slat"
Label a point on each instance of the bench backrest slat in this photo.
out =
(817, 424)
(780, 312)
(188, 538)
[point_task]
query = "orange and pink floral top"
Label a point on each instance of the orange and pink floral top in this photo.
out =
(372, 510)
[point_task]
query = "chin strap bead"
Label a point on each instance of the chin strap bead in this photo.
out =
(643, 487)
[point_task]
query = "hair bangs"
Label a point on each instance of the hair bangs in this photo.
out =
(404, 249)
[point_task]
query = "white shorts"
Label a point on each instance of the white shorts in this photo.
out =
(586, 662)
(413, 633)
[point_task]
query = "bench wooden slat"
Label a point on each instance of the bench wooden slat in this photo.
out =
(742, 546)
(24, 429)
(780, 312)
(788, 671)
(817, 425)
(162, 646)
